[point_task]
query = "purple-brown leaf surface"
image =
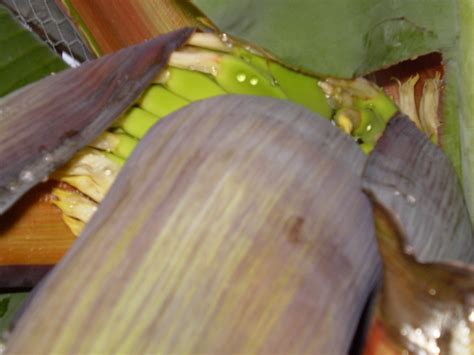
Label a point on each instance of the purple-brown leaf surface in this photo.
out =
(237, 226)
(426, 304)
(45, 123)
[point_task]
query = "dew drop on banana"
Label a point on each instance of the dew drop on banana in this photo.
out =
(471, 316)
(241, 77)
(224, 37)
(253, 81)
(108, 172)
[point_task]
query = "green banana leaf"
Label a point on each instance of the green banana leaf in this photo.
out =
(459, 101)
(349, 38)
(10, 304)
(23, 57)
(338, 38)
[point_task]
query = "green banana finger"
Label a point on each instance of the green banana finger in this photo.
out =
(238, 77)
(137, 122)
(118, 143)
(192, 85)
(161, 102)
(371, 126)
(255, 60)
(233, 74)
(301, 88)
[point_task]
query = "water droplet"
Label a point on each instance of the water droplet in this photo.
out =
(471, 316)
(253, 81)
(241, 77)
(53, 73)
(411, 199)
(48, 158)
(396, 193)
(436, 333)
(27, 176)
(275, 82)
(369, 128)
(108, 172)
(224, 37)
(12, 187)
(432, 291)
(94, 208)
(214, 70)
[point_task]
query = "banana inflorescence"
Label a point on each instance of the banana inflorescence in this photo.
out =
(210, 66)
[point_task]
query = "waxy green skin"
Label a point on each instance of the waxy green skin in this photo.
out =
(192, 85)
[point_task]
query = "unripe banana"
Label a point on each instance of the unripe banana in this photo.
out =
(256, 60)
(301, 89)
(370, 128)
(361, 94)
(233, 74)
(192, 85)
(238, 77)
(161, 102)
(222, 68)
(120, 144)
(137, 122)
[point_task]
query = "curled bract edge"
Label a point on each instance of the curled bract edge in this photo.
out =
(426, 303)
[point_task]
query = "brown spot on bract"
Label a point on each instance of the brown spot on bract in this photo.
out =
(294, 226)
